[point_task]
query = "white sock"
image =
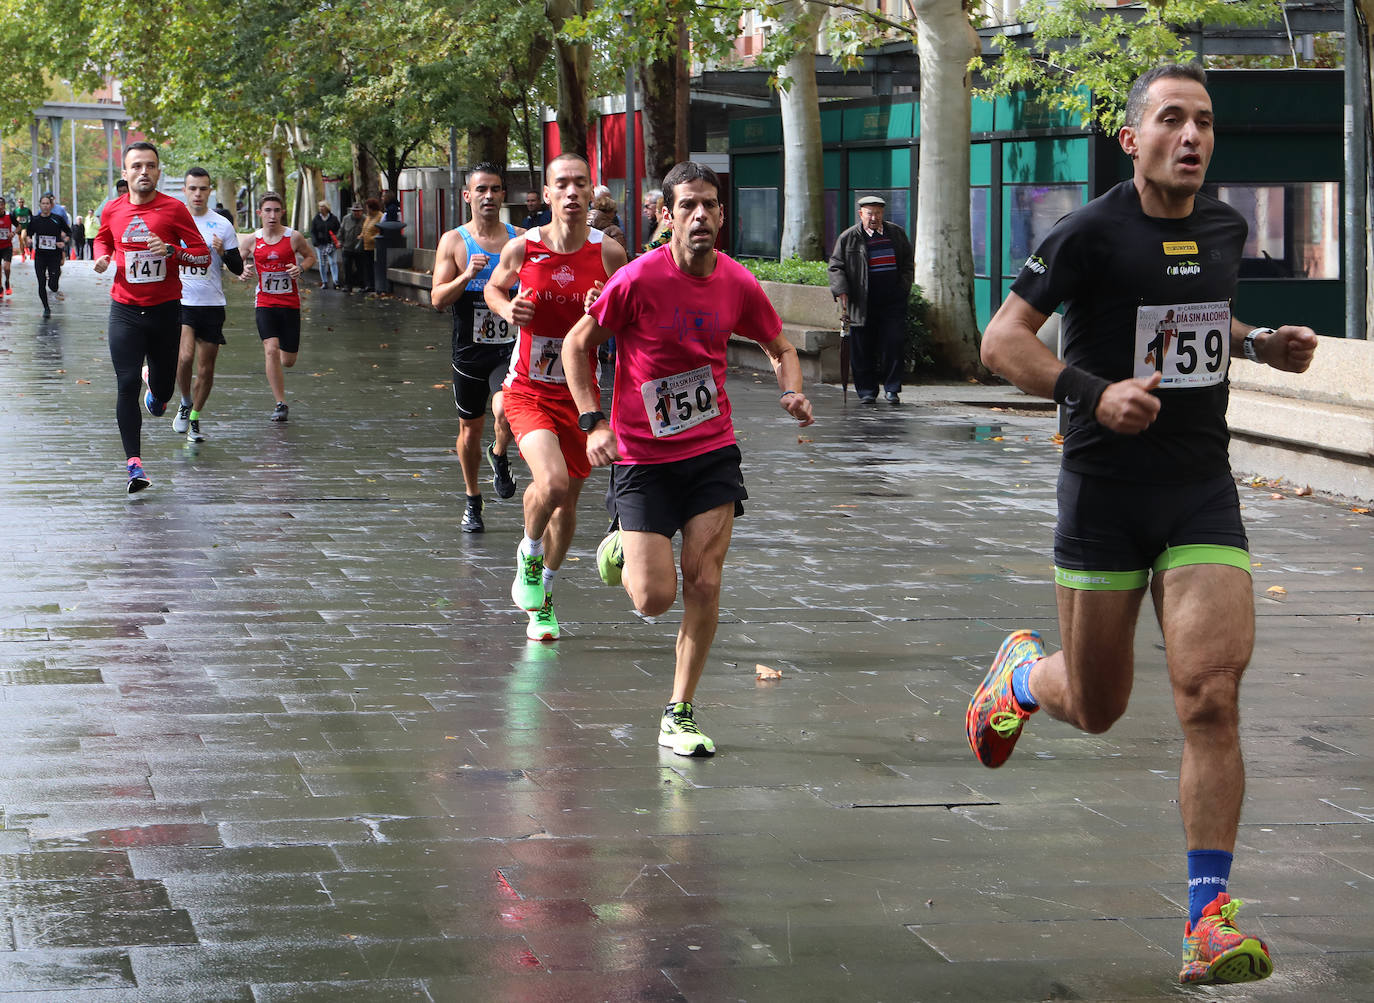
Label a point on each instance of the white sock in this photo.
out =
(185, 401)
(532, 548)
(549, 575)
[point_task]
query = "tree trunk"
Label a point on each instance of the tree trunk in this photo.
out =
(803, 217)
(491, 142)
(658, 85)
(227, 194)
(574, 62)
(944, 244)
(274, 161)
(682, 137)
(365, 184)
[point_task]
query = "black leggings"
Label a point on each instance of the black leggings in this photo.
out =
(136, 333)
(47, 265)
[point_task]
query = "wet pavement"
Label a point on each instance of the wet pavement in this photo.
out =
(272, 732)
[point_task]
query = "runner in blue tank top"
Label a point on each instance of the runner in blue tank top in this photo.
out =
(481, 339)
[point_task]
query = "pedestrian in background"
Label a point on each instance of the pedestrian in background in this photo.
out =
(79, 238)
(872, 269)
(351, 243)
(324, 235)
(369, 240)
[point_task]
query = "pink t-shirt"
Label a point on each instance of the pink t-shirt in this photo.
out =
(670, 333)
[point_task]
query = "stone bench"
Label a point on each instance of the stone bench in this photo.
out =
(411, 273)
(1312, 428)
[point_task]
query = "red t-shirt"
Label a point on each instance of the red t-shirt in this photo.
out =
(8, 228)
(275, 287)
(143, 278)
(560, 283)
(670, 334)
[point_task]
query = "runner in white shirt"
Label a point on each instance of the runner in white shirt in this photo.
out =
(202, 304)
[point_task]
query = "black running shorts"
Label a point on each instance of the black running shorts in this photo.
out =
(282, 323)
(663, 497)
(475, 379)
(206, 321)
(1111, 534)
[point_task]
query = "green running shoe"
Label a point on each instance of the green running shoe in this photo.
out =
(527, 591)
(543, 624)
(678, 731)
(610, 558)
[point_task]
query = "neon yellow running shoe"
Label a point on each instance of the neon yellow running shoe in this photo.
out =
(678, 731)
(610, 558)
(1216, 952)
(543, 624)
(527, 591)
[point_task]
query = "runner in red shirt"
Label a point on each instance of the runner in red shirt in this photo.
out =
(9, 230)
(670, 436)
(560, 266)
(277, 255)
(147, 236)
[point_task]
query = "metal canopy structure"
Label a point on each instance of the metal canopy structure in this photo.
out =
(111, 115)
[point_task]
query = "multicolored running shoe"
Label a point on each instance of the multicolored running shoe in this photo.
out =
(1216, 952)
(995, 718)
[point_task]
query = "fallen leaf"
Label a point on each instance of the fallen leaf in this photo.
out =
(804, 439)
(83, 382)
(441, 386)
(384, 345)
(1277, 590)
(1360, 511)
(1304, 491)
(1057, 439)
(1276, 497)
(762, 671)
(844, 506)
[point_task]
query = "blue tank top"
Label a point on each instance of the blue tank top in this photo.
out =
(479, 281)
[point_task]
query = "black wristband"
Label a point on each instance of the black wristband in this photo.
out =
(1080, 390)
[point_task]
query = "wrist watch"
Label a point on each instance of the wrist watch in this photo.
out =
(588, 420)
(1251, 352)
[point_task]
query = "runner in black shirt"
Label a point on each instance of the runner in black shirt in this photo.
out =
(49, 235)
(1146, 273)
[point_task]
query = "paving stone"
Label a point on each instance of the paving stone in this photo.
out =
(274, 733)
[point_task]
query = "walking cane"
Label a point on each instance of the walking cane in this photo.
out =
(844, 354)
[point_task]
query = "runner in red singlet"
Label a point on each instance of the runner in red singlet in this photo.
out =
(276, 255)
(560, 267)
(9, 232)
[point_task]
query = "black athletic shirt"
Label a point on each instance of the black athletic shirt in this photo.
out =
(1118, 274)
(53, 226)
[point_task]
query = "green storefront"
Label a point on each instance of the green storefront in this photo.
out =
(1279, 160)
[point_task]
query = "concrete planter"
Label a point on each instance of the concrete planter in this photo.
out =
(804, 306)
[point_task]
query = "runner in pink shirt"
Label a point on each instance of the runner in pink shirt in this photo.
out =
(670, 440)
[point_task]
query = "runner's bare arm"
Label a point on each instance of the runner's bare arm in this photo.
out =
(586, 335)
(520, 309)
(246, 252)
(1289, 348)
(450, 271)
(305, 254)
(613, 256)
(1010, 347)
(787, 368)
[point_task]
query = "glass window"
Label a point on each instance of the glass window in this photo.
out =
(1031, 212)
(897, 211)
(757, 233)
(978, 219)
(831, 198)
(1294, 228)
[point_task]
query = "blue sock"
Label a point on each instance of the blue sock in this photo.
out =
(1208, 872)
(1020, 685)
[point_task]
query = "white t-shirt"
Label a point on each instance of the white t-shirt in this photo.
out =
(204, 286)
